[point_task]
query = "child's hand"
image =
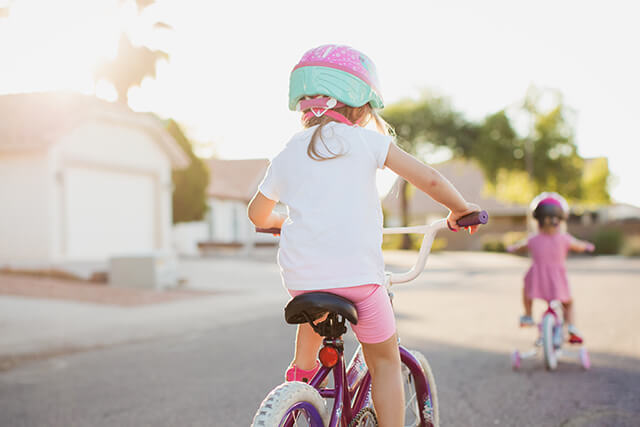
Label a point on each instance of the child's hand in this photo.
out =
(511, 249)
(453, 218)
(589, 247)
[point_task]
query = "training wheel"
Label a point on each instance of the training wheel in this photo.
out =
(584, 358)
(515, 360)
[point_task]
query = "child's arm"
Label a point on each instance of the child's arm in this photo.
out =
(431, 182)
(261, 212)
(577, 245)
(518, 247)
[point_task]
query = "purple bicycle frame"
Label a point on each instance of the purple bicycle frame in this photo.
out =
(344, 393)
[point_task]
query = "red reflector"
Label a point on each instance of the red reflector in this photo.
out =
(328, 356)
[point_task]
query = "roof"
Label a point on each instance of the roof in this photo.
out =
(31, 121)
(235, 179)
(468, 178)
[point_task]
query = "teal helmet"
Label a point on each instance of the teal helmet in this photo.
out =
(339, 72)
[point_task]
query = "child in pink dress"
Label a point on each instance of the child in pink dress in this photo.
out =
(547, 276)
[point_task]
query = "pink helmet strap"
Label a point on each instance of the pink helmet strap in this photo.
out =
(320, 106)
(319, 102)
(333, 114)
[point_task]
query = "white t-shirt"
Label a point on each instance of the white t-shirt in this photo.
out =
(333, 235)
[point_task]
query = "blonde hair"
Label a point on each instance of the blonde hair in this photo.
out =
(363, 115)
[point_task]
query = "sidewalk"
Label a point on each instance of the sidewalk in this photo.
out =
(44, 317)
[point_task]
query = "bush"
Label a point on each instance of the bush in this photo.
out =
(493, 246)
(394, 241)
(608, 241)
(632, 246)
(513, 237)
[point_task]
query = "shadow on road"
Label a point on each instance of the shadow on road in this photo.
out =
(479, 388)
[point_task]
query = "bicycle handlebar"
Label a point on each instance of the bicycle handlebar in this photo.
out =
(274, 230)
(429, 231)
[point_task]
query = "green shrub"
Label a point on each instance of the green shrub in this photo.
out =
(394, 241)
(513, 237)
(493, 246)
(632, 246)
(608, 241)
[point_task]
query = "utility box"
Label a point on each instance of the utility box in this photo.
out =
(145, 271)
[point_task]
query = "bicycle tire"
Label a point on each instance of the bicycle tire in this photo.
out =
(291, 398)
(412, 406)
(548, 347)
(584, 359)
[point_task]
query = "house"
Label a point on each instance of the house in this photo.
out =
(82, 180)
(232, 184)
(618, 212)
(469, 179)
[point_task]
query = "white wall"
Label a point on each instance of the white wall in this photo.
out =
(187, 235)
(228, 222)
(108, 148)
(25, 216)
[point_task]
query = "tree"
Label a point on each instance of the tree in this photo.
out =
(190, 184)
(595, 182)
(497, 146)
(543, 157)
(423, 125)
(132, 63)
(546, 150)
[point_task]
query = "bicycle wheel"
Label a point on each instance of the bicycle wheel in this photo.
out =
(550, 358)
(411, 403)
(584, 359)
(292, 404)
(516, 360)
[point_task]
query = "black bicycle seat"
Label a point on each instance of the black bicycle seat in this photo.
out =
(315, 304)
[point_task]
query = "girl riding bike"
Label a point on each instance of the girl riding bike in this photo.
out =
(331, 239)
(547, 276)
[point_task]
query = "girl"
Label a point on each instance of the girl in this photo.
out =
(331, 239)
(547, 276)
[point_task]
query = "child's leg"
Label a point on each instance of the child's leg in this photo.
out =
(387, 391)
(527, 303)
(568, 312)
(307, 345)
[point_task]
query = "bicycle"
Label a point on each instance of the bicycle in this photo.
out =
(551, 340)
(302, 404)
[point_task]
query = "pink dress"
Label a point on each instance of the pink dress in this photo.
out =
(547, 276)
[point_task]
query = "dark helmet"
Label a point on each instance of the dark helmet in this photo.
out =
(549, 205)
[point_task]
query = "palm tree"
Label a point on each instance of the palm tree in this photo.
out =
(132, 63)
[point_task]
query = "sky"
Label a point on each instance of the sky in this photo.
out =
(227, 77)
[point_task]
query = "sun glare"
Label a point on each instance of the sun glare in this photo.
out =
(48, 45)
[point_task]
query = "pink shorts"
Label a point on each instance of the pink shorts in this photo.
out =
(376, 322)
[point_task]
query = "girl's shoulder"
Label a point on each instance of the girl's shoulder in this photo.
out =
(534, 236)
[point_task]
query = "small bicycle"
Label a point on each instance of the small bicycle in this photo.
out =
(301, 404)
(551, 340)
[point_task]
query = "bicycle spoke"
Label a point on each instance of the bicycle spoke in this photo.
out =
(411, 407)
(411, 400)
(304, 422)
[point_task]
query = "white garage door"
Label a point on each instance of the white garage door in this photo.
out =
(108, 213)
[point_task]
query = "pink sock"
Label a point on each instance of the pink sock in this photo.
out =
(296, 374)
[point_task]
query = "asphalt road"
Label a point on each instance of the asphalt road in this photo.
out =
(462, 315)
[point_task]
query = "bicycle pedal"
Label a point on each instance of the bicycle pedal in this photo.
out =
(573, 339)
